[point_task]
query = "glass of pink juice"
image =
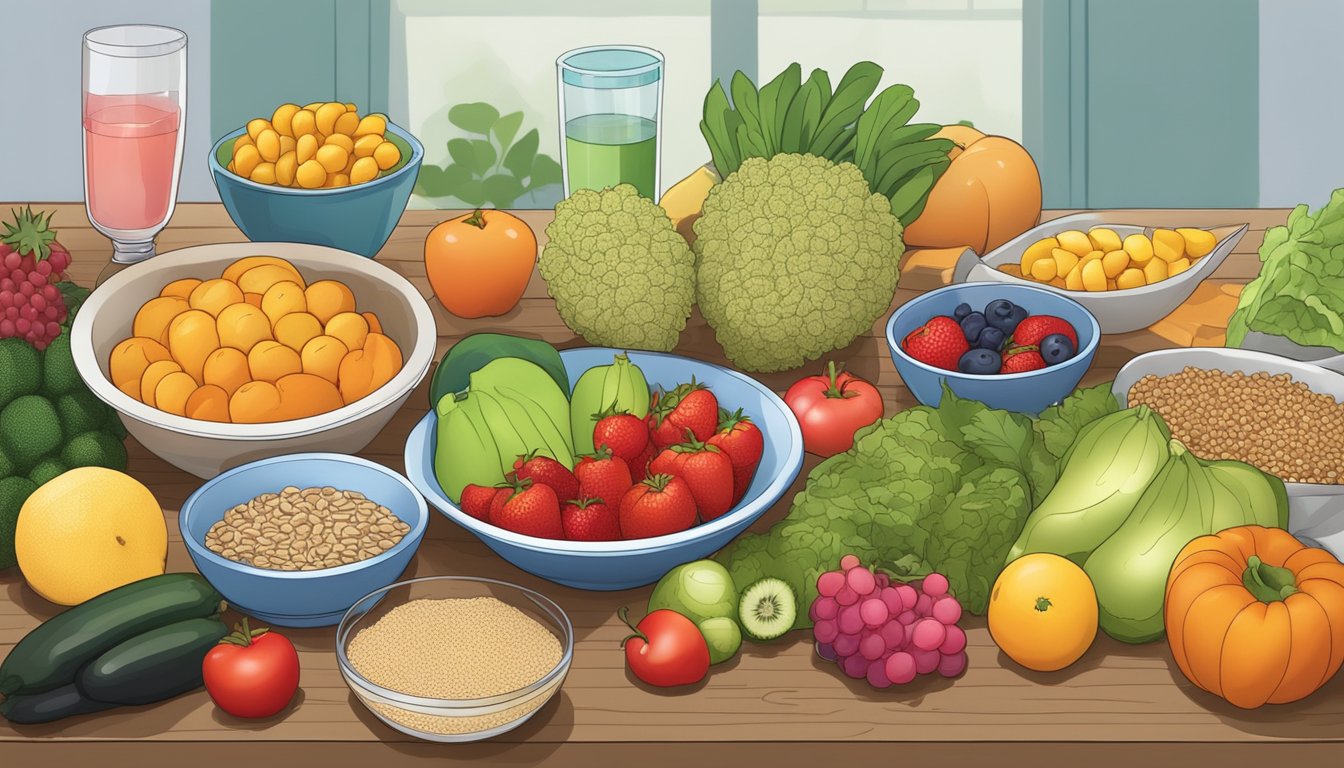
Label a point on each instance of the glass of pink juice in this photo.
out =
(135, 87)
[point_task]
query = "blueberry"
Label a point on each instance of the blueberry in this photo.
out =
(963, 309)
(991, 338)
(1005, 315)
(1056, 348)
(981, 362)
(972, 325)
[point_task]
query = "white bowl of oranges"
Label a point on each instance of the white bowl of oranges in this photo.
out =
(219, 355)
(1129, 274)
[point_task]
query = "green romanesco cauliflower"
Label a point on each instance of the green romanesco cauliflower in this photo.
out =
(619, 272)
(796, 257)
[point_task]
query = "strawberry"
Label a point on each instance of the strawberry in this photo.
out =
(707, 471)
(1021, 360)
(590, 520)
(939, 342)
(531, 509)
(626, 436)
(658, 506)
(476, 500)
(547, 471)
(603, 477)
(688, 407)
(1030, 331)
(742, 440)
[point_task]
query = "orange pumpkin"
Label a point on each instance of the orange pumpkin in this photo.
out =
(1255, 616)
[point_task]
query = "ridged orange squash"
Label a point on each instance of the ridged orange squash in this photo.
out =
(1255, 616)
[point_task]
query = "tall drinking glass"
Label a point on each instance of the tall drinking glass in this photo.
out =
(611, 108)
(135, 103)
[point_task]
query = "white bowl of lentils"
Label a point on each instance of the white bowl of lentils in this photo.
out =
(454, 658)
(296, 540)
(1283, 416)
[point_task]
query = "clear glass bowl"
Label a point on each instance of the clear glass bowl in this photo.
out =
(448, 720)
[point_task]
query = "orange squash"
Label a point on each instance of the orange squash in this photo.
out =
(1255, 616)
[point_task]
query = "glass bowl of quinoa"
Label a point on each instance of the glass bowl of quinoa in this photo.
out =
(454, 658)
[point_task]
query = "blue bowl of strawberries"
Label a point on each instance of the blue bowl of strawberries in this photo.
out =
(1012, 347)
(678, 507)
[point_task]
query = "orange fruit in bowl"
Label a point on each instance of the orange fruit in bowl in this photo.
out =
(296, 329)
(364, 370)
(241, 326)
(173, 391)
(283, 298)
(227, 369)
(214, 295)
(180, 288)
(253, 298)
(129, 360)
(191, 339)
(260, 279)
(149, 380)
(237, 268)
(350, 328)
(152, 319)
(322, 356)
(328, 298)
(374, 325)
(270, 360)
(208, 403)
(303, 395)
(256, 402)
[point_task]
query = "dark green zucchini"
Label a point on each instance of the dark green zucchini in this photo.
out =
(56, 704)
(51, 655)
(157, 665)
(471, 354)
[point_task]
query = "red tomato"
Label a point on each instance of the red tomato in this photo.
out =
(252, 672)
(666, 649)
(831, 407)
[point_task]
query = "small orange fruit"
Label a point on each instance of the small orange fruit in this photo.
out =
(328, 298)
(322, 356)
(237, 268)
(173, 391)
(270, 360)
(208, 403)
(180, 288)
(129, 360)
(350, 328)
(241, 326)
(303, 395)
(296, 329)
(191, 338)
(214, 295)
(281, 299)
(151, 321)
(256, 402)
(149, 381)
(1043, 612)
(226, 368)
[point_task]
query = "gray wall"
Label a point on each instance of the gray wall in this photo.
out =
(1301, 113)
(40, 61)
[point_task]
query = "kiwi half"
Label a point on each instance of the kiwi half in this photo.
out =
(767, 610)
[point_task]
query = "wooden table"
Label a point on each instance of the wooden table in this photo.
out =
(776, 703)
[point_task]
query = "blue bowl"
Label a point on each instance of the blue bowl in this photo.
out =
(357, 218)
(1030, 392)
(613, 565)
(301, 598)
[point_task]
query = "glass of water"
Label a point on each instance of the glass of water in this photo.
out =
(611, 105)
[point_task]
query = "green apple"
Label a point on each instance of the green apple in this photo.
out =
(723, 637)
(698, 590)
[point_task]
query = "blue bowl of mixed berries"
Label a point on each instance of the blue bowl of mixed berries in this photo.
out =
(1013, 347)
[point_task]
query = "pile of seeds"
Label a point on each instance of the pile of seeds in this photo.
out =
(305, 530)
(1271, 422)
(455, 648)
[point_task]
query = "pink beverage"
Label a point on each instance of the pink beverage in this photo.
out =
(130, 159)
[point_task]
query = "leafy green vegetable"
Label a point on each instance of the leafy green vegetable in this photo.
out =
(788, 116)
(1299, 293)
(946, 489)
(490, 167)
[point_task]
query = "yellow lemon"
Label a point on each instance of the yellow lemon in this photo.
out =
(88, 531)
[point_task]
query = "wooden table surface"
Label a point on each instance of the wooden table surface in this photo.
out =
(774, 703)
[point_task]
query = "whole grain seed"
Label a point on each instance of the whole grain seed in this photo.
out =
(1271, 422)
(288, 531)
(457, 648)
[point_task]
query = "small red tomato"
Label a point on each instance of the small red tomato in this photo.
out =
(666, 649)
(252, 673)
(831, 407)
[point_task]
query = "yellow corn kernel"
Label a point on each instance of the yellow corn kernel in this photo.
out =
(1074, 279)
(1130, 278)
(387, 155)
(242, 141)
(1114, 263)
(1065, 261)
(1094, 276)
(1139, 248)
(264, 173)
(281, 118)
(365, 145)
(313, 105)
(285, 168)
(256, 125)
(337, 180)
(364, 169)
(310, 175)
(371, 125)
(305, 148)
(1178, 266)
(287, 144)
(1075, 241)
(268, 145)
(346, 124)
(1156, 271)
(1168, 245)
(245, 159)
(1090, 256)
(1043, 270)
(1198, 242)
(342, 141)
(1037, 250)
(303, 123)
(1103, 239)
(326, 116)
(331, 157)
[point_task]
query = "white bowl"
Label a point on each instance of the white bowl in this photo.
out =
(1119, 311)
(1315, 511)
(206, 448)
